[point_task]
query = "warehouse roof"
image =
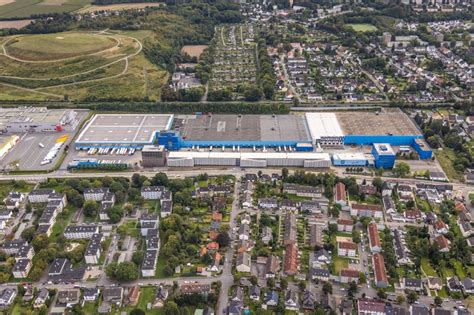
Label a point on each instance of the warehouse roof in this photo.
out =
(323, 125)
(249, 155)
(124, 128)
(272, 128)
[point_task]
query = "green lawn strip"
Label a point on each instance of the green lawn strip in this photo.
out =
(427, 268)
(62, 220)
(446, 158)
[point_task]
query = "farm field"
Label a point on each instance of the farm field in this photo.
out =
(14, 24)
(193, 50)
(362, 27)
(117, 7)
(27, 8)
(87, 65)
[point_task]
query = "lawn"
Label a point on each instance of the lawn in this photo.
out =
(147, 295)
(443, 293)
(339, 263)
(362, 27)
(62, 221)
(5, 188)
(427, 268)
(58, 45)
(458, 268)
(446, 158)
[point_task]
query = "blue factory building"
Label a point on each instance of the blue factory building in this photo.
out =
(384, 155)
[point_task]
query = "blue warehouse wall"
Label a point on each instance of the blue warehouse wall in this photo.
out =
(369, 140)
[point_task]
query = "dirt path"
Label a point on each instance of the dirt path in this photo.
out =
(31, 90)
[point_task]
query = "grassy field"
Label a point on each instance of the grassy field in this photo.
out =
(446, 158)
(117, 7)
(26, 8)
(58, 46)
(425, 265)
(96, 67)
(339, 263)
(363, 27)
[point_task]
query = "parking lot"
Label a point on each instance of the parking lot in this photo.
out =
(28, 154)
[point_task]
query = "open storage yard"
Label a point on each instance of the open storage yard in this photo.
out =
(86, 65)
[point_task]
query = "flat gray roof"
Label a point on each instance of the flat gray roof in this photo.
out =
(124, 128)
(245, 128)
(387, 121)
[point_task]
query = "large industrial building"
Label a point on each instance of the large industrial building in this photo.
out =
(260, 140)
(36, 119)
(122, 130)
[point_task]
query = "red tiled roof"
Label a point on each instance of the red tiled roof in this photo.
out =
(442, 241)
(350, 273)
(347, 245)
(374, 235)
(361, 206)
(341, 191)
(291, 259)
(440, 225)
(345, 222)
(379, 267)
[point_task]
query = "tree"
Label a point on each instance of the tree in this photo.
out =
(284, 173)
(40, 242)
(284, 284)
(125, 271)
(382, 294)
(223, 239)
(91, 208)
(28, 233)
(137, 311)
(412, 297)
(401, 169)
(438, 301)
(327, 288)
(137, 257)
(171, 308)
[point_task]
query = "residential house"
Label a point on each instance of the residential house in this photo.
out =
(316, 238)
(90, 294)
(443, 243)
(291, 300)
(320, 274)
(468, 286)
(268, 203)
(80, 231)
(319, 258)
(254, 292)
(267, 235)
(365, 210)
(291, 259)
(272, 267)
(308, 300)
(344, 225)
(243, 262)
(340, 196)
(349, 275)
(69, 297)
(412, 284)
(378, 263)
(41, 298)
(453, 284)
(435, 283)
(440, 227)
(244, 232)
(290, 234)
(347, 249)
(271, 298)
(370, 307)
(374, 239)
